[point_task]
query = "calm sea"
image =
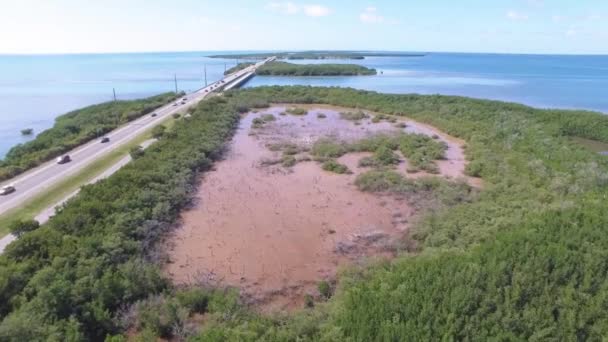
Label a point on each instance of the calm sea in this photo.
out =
(36, 89)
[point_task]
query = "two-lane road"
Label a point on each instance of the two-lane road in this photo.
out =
(41, 178)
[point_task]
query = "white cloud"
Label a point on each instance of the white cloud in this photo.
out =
(316, 10)
(283, 7)
(370, 16)
(293, 8)
(516, 16)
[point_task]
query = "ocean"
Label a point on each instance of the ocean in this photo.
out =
(36, 89)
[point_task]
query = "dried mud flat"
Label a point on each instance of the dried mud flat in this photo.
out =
(275, 232)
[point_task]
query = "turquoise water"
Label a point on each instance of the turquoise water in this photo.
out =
(35, 89)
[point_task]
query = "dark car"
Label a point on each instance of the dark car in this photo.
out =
(105, 140)
(64, 159)
(154, 114)
(7, 190)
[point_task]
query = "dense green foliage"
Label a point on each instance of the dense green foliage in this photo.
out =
(526, 259)
(68, 278)
(238, 67)
(421, 151)
(76, 128)
(290, 69)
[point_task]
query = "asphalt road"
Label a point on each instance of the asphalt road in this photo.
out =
(37, 180)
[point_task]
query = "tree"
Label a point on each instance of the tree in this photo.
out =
(136, 152)
(21, 227)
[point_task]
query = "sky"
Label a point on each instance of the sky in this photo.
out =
(499, 26)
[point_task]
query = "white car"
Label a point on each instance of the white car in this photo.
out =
(8, 189)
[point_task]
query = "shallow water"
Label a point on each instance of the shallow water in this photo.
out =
(36, 89)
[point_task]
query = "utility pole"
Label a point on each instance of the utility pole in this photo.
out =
(205, 65)
(175, 80)
(224, 68)
(117, 113)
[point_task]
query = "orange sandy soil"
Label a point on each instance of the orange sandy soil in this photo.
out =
(275, 232)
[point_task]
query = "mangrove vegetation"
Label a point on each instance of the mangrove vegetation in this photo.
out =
(291, 69)
(525, 259)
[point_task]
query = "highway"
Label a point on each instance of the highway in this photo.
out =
(36, 181)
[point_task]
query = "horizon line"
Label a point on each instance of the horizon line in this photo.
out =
(302, 50)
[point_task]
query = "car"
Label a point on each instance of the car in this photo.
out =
(105, 140)
(154, 115)
(206, 90)
(64, 159)
(176, 104)
(7, 189)
(185, 99)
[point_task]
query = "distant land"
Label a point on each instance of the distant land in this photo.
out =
(319, 55)
(290, 69)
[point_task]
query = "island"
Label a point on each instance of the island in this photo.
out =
(291, 69)
(294, 55)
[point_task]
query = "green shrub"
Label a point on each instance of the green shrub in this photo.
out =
(309, 301)
(257, 123)
(328, 148)
(383, 181)
(288, 160)
(354, 116)
(384, 156)
(196, 300)
(136, 152)
(324, 289)
(297, 111)
(268, 117)
(20, 227)
(335, 167)
(158, 131)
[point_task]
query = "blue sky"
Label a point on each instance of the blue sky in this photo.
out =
(509, 26)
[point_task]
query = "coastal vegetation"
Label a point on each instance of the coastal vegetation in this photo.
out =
(238, 67)
(76, 128)
(525, 259)
(56, 193)
(291, 69)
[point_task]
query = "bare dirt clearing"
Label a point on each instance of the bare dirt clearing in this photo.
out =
(276, 231)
